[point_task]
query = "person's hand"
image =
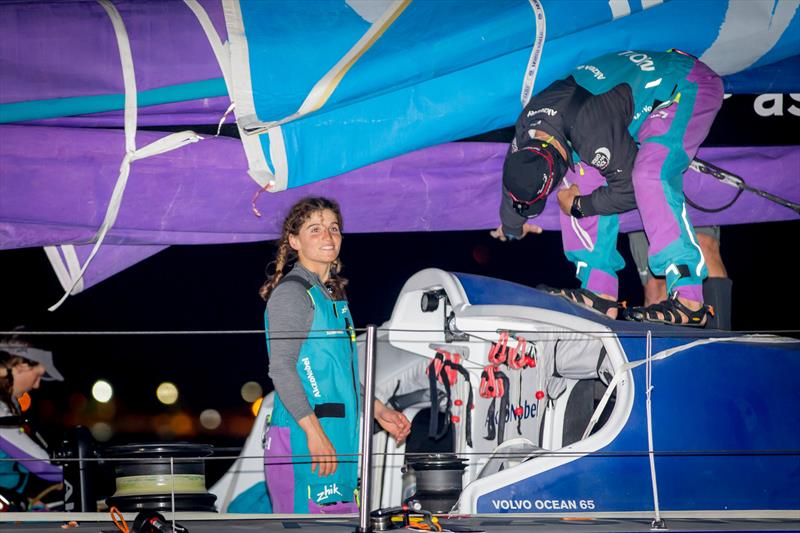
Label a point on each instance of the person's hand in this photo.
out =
(566, 196)
(526, 228)
(392, 421)
(323, 454)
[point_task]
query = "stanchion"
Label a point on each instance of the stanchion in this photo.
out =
(365, 525)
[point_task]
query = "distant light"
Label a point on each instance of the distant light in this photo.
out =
(102, 431)
(182, 425)
(167, 393)
(256, 406)
(210, 419)
(251, 391)
(102, 391)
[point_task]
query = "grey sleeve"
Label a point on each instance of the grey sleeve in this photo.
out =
(618, 196)
(511, 220)
(289, 310)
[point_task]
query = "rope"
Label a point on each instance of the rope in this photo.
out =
(765, 335)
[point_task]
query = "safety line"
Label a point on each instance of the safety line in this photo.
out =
(657, 522)
(506, 455)
(743, 335)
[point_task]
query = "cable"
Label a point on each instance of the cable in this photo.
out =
(735, 181)
(119, 520)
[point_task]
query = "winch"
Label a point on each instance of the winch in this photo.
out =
(147, 476)
(438, 481)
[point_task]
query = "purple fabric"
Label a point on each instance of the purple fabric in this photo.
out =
(334, 508)
(691, 292)
(586, 183)
(279, 472)
(38, 467)
(55, 184)
(603, 283)
(54, 56)
(660, 224)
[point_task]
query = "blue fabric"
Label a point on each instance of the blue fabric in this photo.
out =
(64, 107)
(459, 73)
(12, 474)
(253, 500)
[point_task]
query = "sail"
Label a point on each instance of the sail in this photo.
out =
(354, 99)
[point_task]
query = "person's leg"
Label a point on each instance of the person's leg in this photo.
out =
(281, 473)
(669, 140)
(717, 288)
(591, 244)
(655, 289)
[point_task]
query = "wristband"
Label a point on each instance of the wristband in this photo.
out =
(575, 210)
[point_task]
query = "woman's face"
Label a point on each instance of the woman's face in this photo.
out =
(27, 378)
(318, 241)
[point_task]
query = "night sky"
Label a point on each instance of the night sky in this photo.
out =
(215, 288)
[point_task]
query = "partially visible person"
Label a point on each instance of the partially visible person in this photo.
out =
(311, 453)
(717, 287)
(22, 369)
(638, 117)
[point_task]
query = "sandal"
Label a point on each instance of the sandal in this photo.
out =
(585, 298)
(672, 312)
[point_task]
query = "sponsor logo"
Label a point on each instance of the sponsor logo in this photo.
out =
(541, 505)
(773, 104)
(596, 72)
(311, 379)
(528, 411)
(546, 110)
(327, 491)
(601, 158)
(643, 61)
(646, 109)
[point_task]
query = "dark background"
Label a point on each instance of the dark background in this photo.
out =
(215, 288)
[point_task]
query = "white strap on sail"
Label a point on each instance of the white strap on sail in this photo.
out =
(165, 144)
(240, 90)
(536, 53)
(221, 49)
(66, 265)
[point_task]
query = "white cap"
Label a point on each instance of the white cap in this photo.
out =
(42, 357)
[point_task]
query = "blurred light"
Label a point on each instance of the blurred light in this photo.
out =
(256, 406)
(77, 402)
(161, 424)
(210, 419)
(251, 391)
(167, 393)
(102, 391)
(102, 431)
(182, 425)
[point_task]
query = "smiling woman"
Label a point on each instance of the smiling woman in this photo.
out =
(314, 367)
